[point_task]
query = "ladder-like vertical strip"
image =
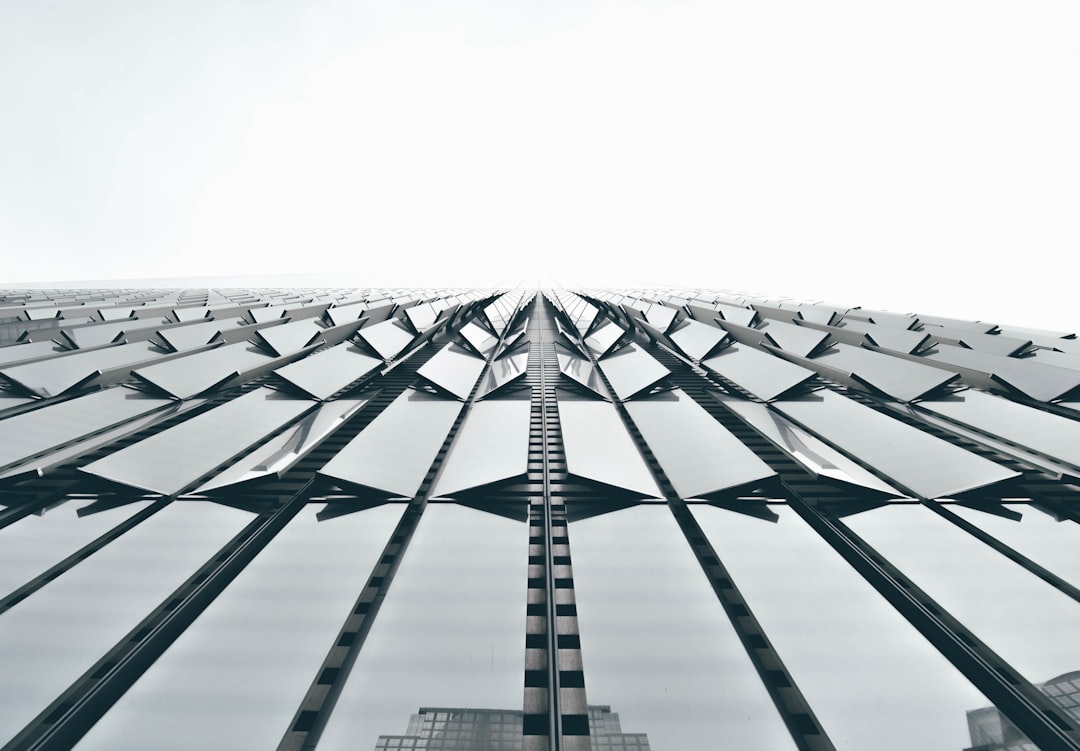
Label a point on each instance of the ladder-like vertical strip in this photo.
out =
(555, 704)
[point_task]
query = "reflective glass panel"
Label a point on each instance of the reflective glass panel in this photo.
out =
(736, 315)
(581, 371)
(191, 336)
(421, 316)
(451, 632)
(34, 543)
(492, 444)
(631, 371)
(799, 340)
(993, 343)
(660, 316)
(696, 339)
(387, 338)
(818, 457)
(1039, 381)
(187, 376)
(395, 451)
(502, 372)
(698, 454)
(655, 642)
(764, 375)
(916, 461)
(19, 352)
(1053, 435)
(1018, 615)
(901, 379)
(598, 447)
(240, 671)
(29, 433)
(284, 450)
(603, 338)
(58, 374)
(43, 463)
(289, 337)
(324, 373)
(343, 314)
(887, 337)
(479, 339)
(190, 314)
(51, 638)
(168, 461)
(453, 369)
(871, 679)
(1037, 535)
(97, 334)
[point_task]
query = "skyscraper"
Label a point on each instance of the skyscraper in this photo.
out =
(991, 730)
(464, 729)
(248, 518)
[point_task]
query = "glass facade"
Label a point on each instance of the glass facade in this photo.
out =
(620, 520)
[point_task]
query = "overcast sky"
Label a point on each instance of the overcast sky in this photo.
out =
(915, 156)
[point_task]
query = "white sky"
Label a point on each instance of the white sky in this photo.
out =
(914, 156)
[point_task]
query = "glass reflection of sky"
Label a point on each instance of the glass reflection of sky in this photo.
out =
(656, 643)
(49, 640)
(1019, 616)
(1048, 542)
(241, 670)
(872, 680)
(450, 633)
(34, 543)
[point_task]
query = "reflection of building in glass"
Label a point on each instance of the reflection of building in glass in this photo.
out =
(992, 731)
(459, 729)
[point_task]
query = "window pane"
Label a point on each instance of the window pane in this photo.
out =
(35, 543)
(631, 371)
(870, 677)
(929, 467)
(656, 644)
(451, 632)
(1019, 616)
(242, 668)
(169, 461)
(50, 639)
(1049, 543)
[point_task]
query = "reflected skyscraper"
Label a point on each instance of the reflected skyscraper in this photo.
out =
(992, 731)
(459, 729)
(258, 518)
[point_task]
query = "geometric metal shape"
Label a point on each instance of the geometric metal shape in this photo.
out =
(699, 455)
(583, 372)
(193, 374)
(599, 448)
(914, 461)
(394, 452)
(279, 454)
(901, 379)
(30, 433)
(632, 371)
(169, 461)
(325, 373)
(492, 445)
(387, 338)
(503, 372)
(697, 340)
(59, 374)
(818, 458)
(1052, 435)
(1041, 382)
(284, 339)
(764, 375)
(453, 369)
